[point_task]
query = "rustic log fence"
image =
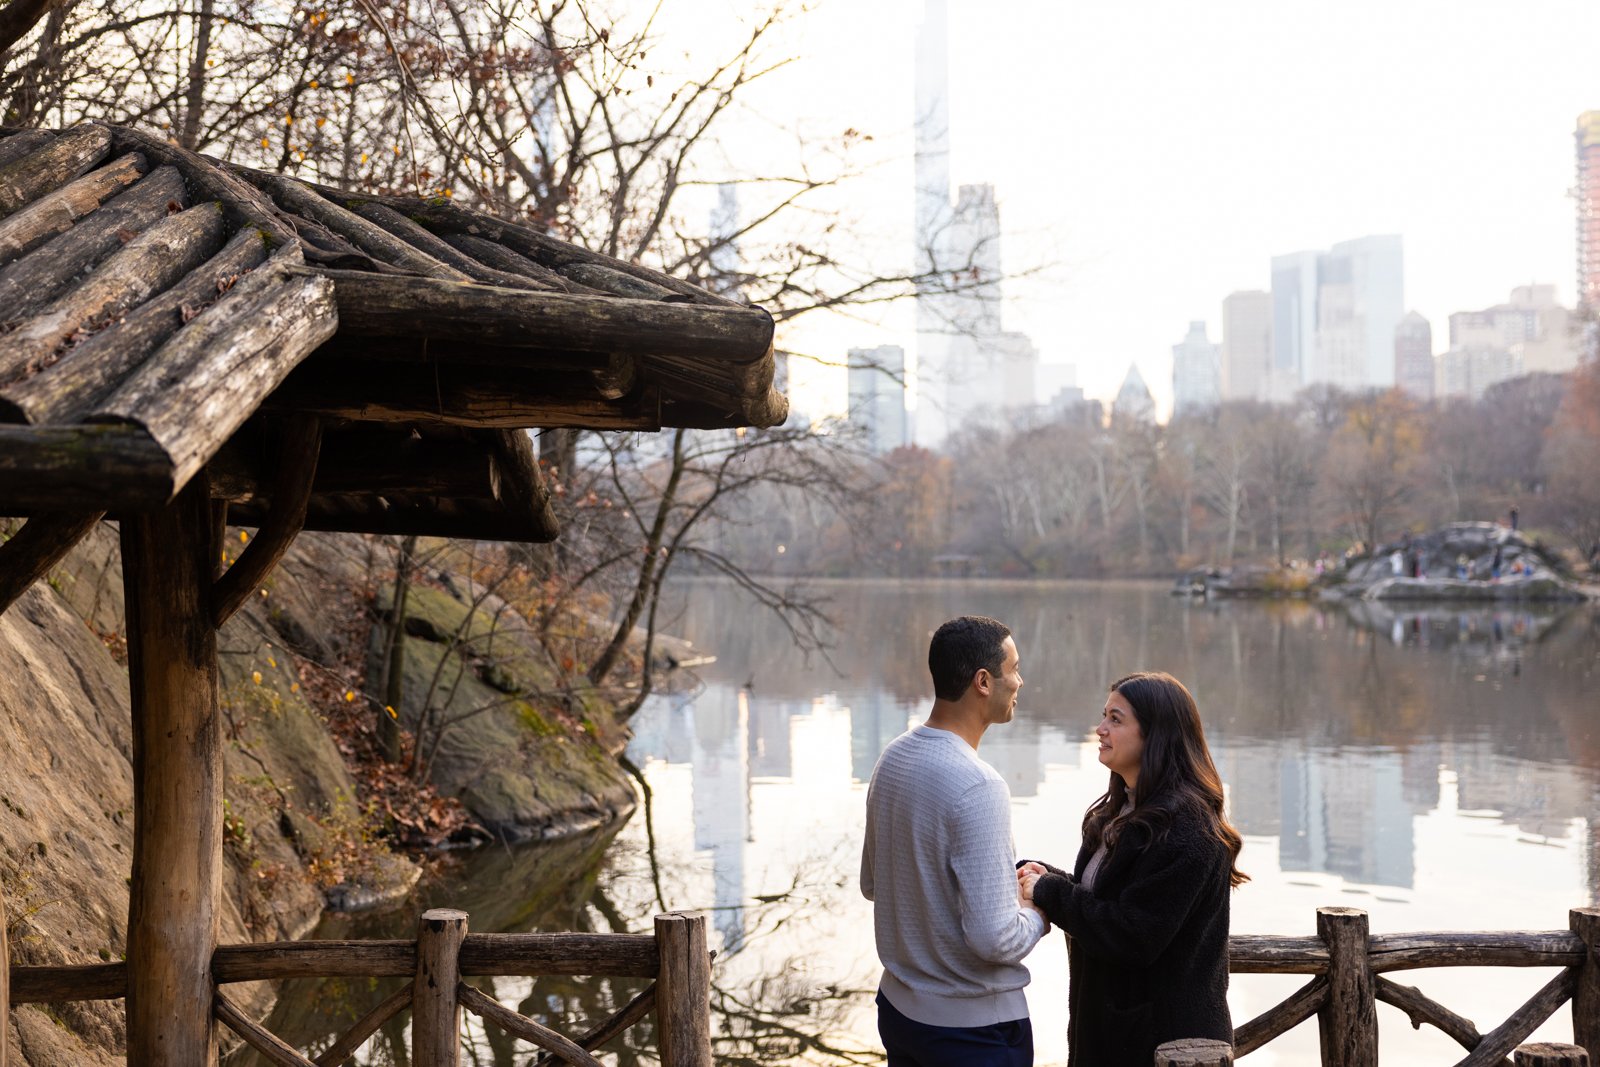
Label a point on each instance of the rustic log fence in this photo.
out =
(444, 953)
(1347, 966)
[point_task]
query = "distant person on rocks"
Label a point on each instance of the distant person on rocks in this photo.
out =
(1146, 905)
(938, 864)
(1513, 518)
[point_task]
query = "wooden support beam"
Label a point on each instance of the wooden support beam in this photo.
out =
(83, 375)
(683, 994)
(32, 282)
(387, 306)
(435, 1009)
(521, 488)
(168, 559)
(38, 546)
(64, 158)
(1348, 1023)
(1585, 922)
(81, 468)
(1499, 1043)
(146, 265)
(54, 213)
(297, 467)
(475, 396)
(201, 386)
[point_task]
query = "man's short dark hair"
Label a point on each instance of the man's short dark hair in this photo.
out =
(960, 649)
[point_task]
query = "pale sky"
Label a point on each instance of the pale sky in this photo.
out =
(1151, 156)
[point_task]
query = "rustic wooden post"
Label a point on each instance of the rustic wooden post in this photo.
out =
(1550, 1054)
(1585, 922)
(435, 1009)
(683, 991)
(168, 559)
(1349, 1022)
(1195, 1052)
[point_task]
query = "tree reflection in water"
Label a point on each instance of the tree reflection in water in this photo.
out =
(786, 1015)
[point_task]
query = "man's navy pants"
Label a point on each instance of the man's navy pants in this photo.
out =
(913, 1044)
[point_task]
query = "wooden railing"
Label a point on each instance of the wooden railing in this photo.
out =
(1347, 966)
(444, 953)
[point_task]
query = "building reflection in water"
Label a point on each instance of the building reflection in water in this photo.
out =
(1329, 741)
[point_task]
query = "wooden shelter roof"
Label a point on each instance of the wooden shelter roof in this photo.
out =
(163, 312)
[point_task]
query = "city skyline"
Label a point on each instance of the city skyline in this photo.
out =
(1151, 159)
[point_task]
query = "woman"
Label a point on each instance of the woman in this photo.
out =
(1146, 906)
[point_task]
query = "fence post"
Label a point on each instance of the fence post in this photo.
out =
(683, 991)
(1585, 922)
(1195, 1052)
(435, 1011)
(1550, 1054)
(1349, 1023)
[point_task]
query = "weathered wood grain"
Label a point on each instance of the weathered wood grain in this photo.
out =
(199, 387)
(683, 993)
(45, 985)
(503, 259)
(83, 374)
(1585, 925)
(146, 265)
(1551, 1054)
(435, 1005)
(167, 560)
(520, 486)
(406, 307)
(247, 206)
(51, 165)
(54, 213)
(368, 237)
(1194, 1052)
(32, 282)
(81, 468)
(1499, 1043)
(13, 146)
(1420, 1008)
(1348, 1023)
(424, 240)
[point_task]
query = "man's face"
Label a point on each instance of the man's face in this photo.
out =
(1002, 703)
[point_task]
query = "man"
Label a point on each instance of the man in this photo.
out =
(939, 866)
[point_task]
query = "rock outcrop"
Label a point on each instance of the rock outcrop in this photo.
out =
(1466, 561)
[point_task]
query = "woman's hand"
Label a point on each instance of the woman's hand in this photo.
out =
(1027, 875)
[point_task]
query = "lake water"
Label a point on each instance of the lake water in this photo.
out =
(1438, 768)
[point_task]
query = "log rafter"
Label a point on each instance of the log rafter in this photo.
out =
(297, 468)
(41, 543)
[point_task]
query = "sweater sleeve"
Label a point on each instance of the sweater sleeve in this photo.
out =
(869, 845)
(994, 923)
(1137, 925)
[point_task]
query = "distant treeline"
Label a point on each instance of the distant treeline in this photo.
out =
(1245, 482)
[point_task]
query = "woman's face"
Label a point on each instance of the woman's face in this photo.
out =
(1121, 742)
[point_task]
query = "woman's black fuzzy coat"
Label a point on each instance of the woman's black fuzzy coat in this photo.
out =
(1149, 944)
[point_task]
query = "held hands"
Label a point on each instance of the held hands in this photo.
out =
(1027, 877)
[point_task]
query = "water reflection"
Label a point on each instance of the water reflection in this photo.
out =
(1449, 779)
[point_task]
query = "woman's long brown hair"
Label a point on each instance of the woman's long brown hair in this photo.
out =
(1176, 771)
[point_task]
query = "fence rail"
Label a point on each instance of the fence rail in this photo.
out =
(1346, 966)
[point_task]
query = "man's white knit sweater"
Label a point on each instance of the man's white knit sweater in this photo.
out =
(939, 867)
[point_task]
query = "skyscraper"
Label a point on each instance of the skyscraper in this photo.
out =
(1134, 402)
(968, 367)
(878, 397)
(1334, 315)
(1196, 372)
(1247, 345)
(1588, 193)
(1413, 356)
